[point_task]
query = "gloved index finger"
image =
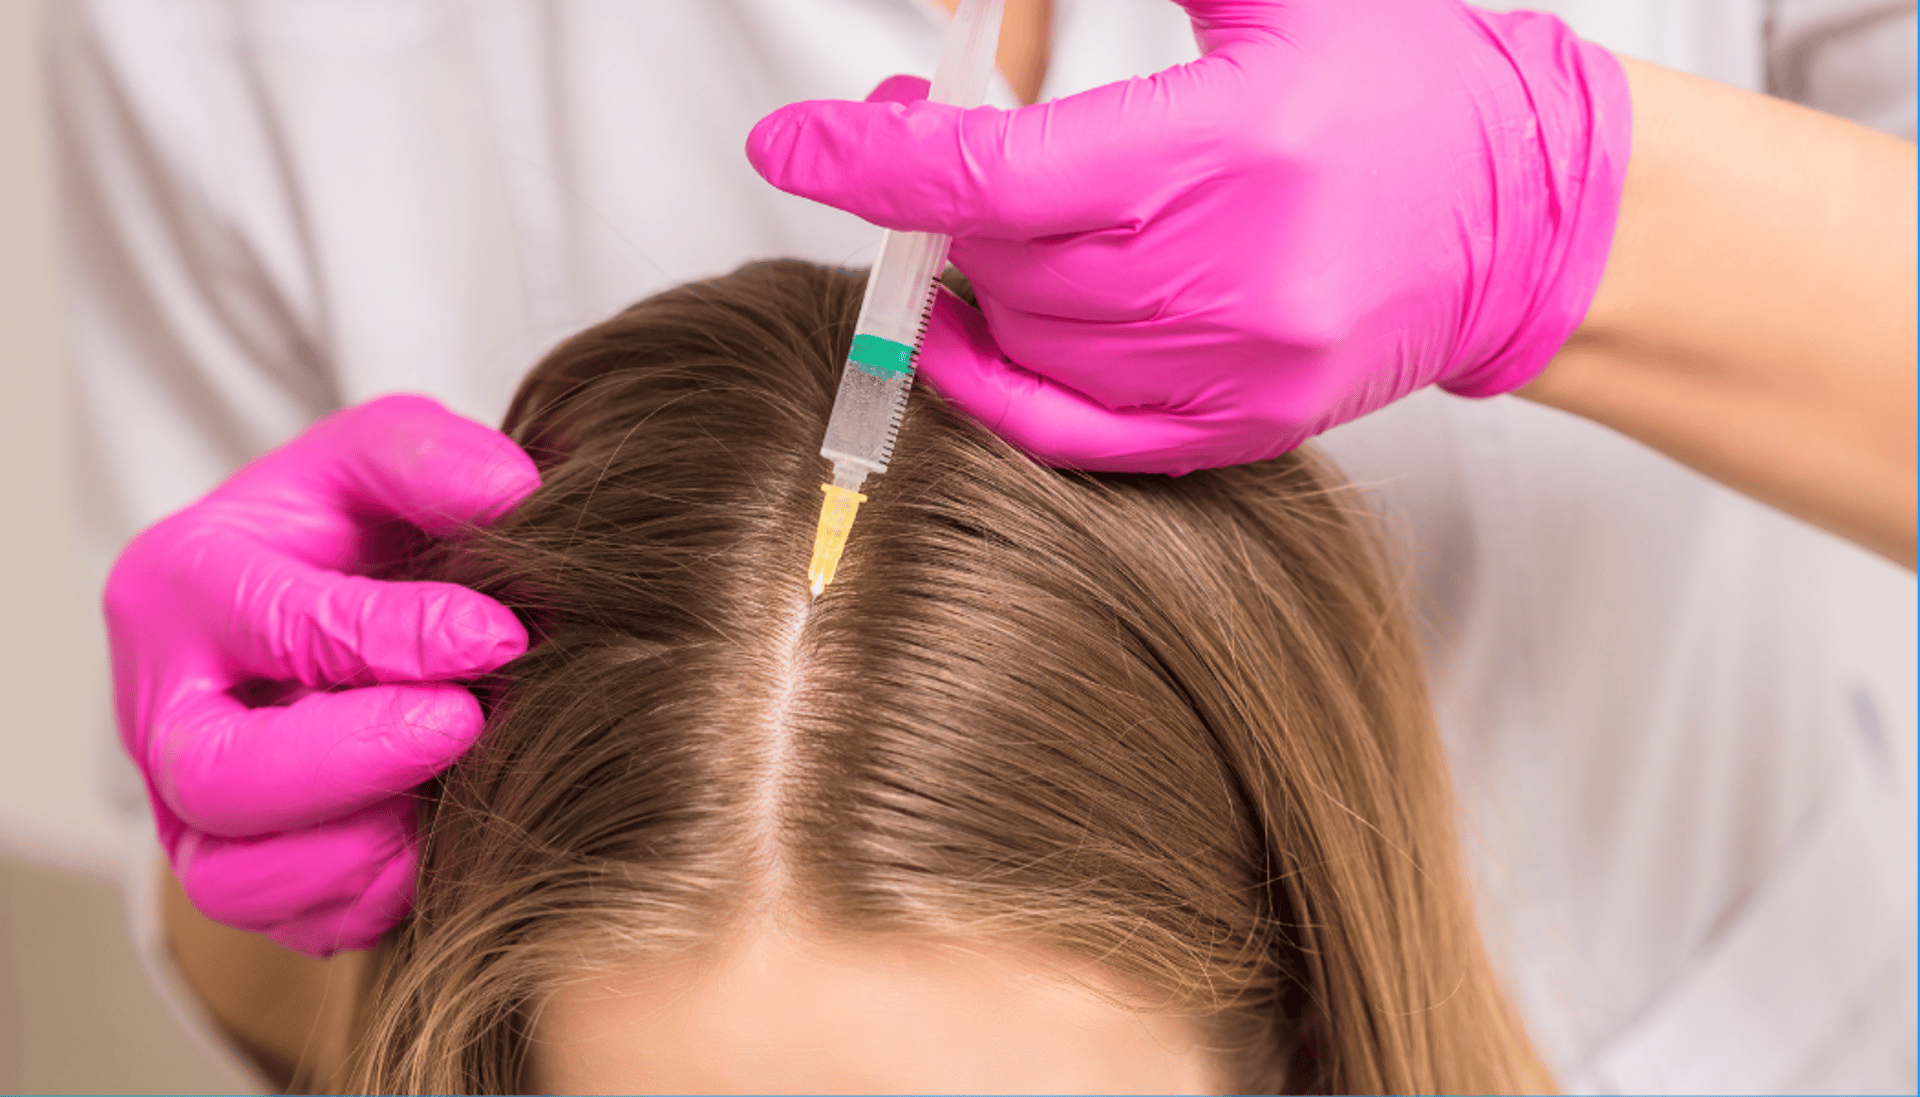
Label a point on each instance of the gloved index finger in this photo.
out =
(1068, 165)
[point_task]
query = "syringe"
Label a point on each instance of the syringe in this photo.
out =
(893, 314)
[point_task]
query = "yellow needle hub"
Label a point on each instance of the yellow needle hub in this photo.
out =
(830, 540)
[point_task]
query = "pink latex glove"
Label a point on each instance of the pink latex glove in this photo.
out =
(1340, 202)
(295, 821)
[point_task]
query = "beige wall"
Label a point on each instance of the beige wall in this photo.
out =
(50, 656)
(76, 1014)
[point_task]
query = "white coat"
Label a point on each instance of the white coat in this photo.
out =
(1679, 825)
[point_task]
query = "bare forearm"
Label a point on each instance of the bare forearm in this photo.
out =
(291, 1014)
(1756, 320)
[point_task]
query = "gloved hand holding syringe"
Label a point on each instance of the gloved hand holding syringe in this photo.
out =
(893, 315)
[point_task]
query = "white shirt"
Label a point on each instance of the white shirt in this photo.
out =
(274, 209)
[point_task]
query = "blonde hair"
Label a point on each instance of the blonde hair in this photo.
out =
(1174, 724)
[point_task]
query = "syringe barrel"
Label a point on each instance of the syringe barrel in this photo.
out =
(880, 364)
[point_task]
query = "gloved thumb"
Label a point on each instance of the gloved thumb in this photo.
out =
(1219, 22)
(900, 88)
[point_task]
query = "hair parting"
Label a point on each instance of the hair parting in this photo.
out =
(1173, 726)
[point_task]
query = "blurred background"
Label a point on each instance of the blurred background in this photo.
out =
(77, 1013)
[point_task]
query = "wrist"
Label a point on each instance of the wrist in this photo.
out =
(1756, 318)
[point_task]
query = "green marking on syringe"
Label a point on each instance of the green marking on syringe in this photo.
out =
(882, 358)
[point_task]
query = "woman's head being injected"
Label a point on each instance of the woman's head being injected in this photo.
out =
(1068, 782)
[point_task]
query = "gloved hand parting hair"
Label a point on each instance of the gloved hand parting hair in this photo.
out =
(294, 819)
(1337, 204)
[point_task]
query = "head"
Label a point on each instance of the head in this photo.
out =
(1073, 778)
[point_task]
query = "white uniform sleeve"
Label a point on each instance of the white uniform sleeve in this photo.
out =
(192, 324)
(1853, 58)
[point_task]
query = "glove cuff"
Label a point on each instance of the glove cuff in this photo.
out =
(1562, 198)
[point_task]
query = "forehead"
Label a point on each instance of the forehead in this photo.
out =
(775, 1013)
